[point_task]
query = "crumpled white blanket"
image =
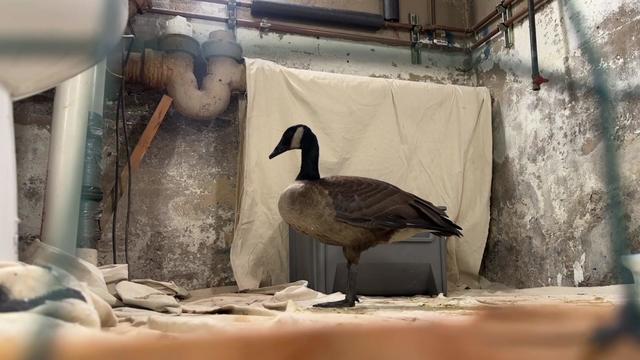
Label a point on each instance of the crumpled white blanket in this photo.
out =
(51, 292)
(61, 286)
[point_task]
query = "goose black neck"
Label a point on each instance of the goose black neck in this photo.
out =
(310, 157)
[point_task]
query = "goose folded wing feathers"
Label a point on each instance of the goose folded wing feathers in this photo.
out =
(373, 203)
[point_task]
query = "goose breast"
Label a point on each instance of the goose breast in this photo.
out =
(309, 209)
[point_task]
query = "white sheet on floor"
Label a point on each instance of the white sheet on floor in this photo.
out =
(24, 286)
(431, 140)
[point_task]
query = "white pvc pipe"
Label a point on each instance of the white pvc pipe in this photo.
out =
(96, 93)
(66, 161)
(8, 181)
(96, 106)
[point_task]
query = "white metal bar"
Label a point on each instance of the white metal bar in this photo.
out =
(8, 181)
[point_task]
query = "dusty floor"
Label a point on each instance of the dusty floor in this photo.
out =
(456, 307)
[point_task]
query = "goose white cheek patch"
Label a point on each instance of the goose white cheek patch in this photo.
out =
(297, 137)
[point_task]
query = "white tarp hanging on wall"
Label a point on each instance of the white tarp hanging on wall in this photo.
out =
(431, 140)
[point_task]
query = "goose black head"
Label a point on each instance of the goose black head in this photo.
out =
(293, 138)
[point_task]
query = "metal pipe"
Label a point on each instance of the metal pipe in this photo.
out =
(298, 30)
(428, 28)
(8, 181)
(225, 2)
(280, 27)
(492, 16)
(452, 29)
(433, 12)
(304, 31)
(485, 38)
(66, 160)
(187, 14)
(325, 33)
(91, 195)
(516, 18)
(174, 71)
(388, 24)
(397, 25)
(536, 78)
(391, 10)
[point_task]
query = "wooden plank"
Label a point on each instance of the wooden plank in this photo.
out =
(136, 156)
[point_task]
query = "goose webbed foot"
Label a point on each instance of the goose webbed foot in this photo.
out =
(345, 303)
(351, 298)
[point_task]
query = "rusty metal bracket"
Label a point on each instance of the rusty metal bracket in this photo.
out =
(414, 36)
(506, 13)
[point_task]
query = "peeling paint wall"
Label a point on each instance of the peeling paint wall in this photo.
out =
(183, 197)
(548, 223)
(32, 121)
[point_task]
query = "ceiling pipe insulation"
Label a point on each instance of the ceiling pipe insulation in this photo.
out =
(287, 10)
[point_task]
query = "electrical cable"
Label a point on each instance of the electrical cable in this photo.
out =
(120, 111)
(128, 152)
(115, 186)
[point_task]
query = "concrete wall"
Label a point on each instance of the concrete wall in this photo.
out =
(548, 223)
(33, 131)
(183, 197)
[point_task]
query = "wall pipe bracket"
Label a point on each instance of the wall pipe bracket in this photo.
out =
(505, 10)
(232, 15)
(414, 35)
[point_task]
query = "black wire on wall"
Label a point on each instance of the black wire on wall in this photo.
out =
(121, 121)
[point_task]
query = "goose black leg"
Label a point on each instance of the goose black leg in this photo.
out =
(351, 298)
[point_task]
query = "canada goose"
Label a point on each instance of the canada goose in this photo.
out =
(353, 212)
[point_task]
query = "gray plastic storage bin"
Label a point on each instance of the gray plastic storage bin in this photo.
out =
(413, 267)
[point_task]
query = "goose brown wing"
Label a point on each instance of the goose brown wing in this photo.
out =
(371, 203)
